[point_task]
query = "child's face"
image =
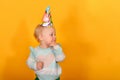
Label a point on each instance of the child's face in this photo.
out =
(48, 35)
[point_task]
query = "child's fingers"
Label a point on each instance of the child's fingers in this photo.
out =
(39, 65)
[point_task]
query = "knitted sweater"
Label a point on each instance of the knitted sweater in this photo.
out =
(49, 56)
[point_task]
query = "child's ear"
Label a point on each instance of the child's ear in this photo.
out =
(40, 37)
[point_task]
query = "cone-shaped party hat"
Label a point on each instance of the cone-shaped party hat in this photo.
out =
(47, 19)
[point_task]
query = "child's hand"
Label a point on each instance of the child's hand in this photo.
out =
(39, 65)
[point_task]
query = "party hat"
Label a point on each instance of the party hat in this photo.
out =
(47, 20)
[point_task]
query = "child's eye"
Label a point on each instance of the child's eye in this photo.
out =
(51, 34)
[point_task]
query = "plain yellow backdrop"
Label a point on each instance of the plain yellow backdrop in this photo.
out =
(89, 31)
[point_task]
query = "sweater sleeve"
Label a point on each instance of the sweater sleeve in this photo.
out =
(31, 62)
(58, 52)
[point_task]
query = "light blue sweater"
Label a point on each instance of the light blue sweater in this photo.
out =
(49, 56)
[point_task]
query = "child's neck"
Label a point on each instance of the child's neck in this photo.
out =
(42, 45)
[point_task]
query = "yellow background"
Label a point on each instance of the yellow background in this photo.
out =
(89, 31)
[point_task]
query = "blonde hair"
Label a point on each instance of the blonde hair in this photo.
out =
(38, 31)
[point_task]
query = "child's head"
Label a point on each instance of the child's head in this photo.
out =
(46, 35)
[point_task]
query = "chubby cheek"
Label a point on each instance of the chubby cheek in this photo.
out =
(49, 39)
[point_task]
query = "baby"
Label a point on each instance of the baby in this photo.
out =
(43, 58)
